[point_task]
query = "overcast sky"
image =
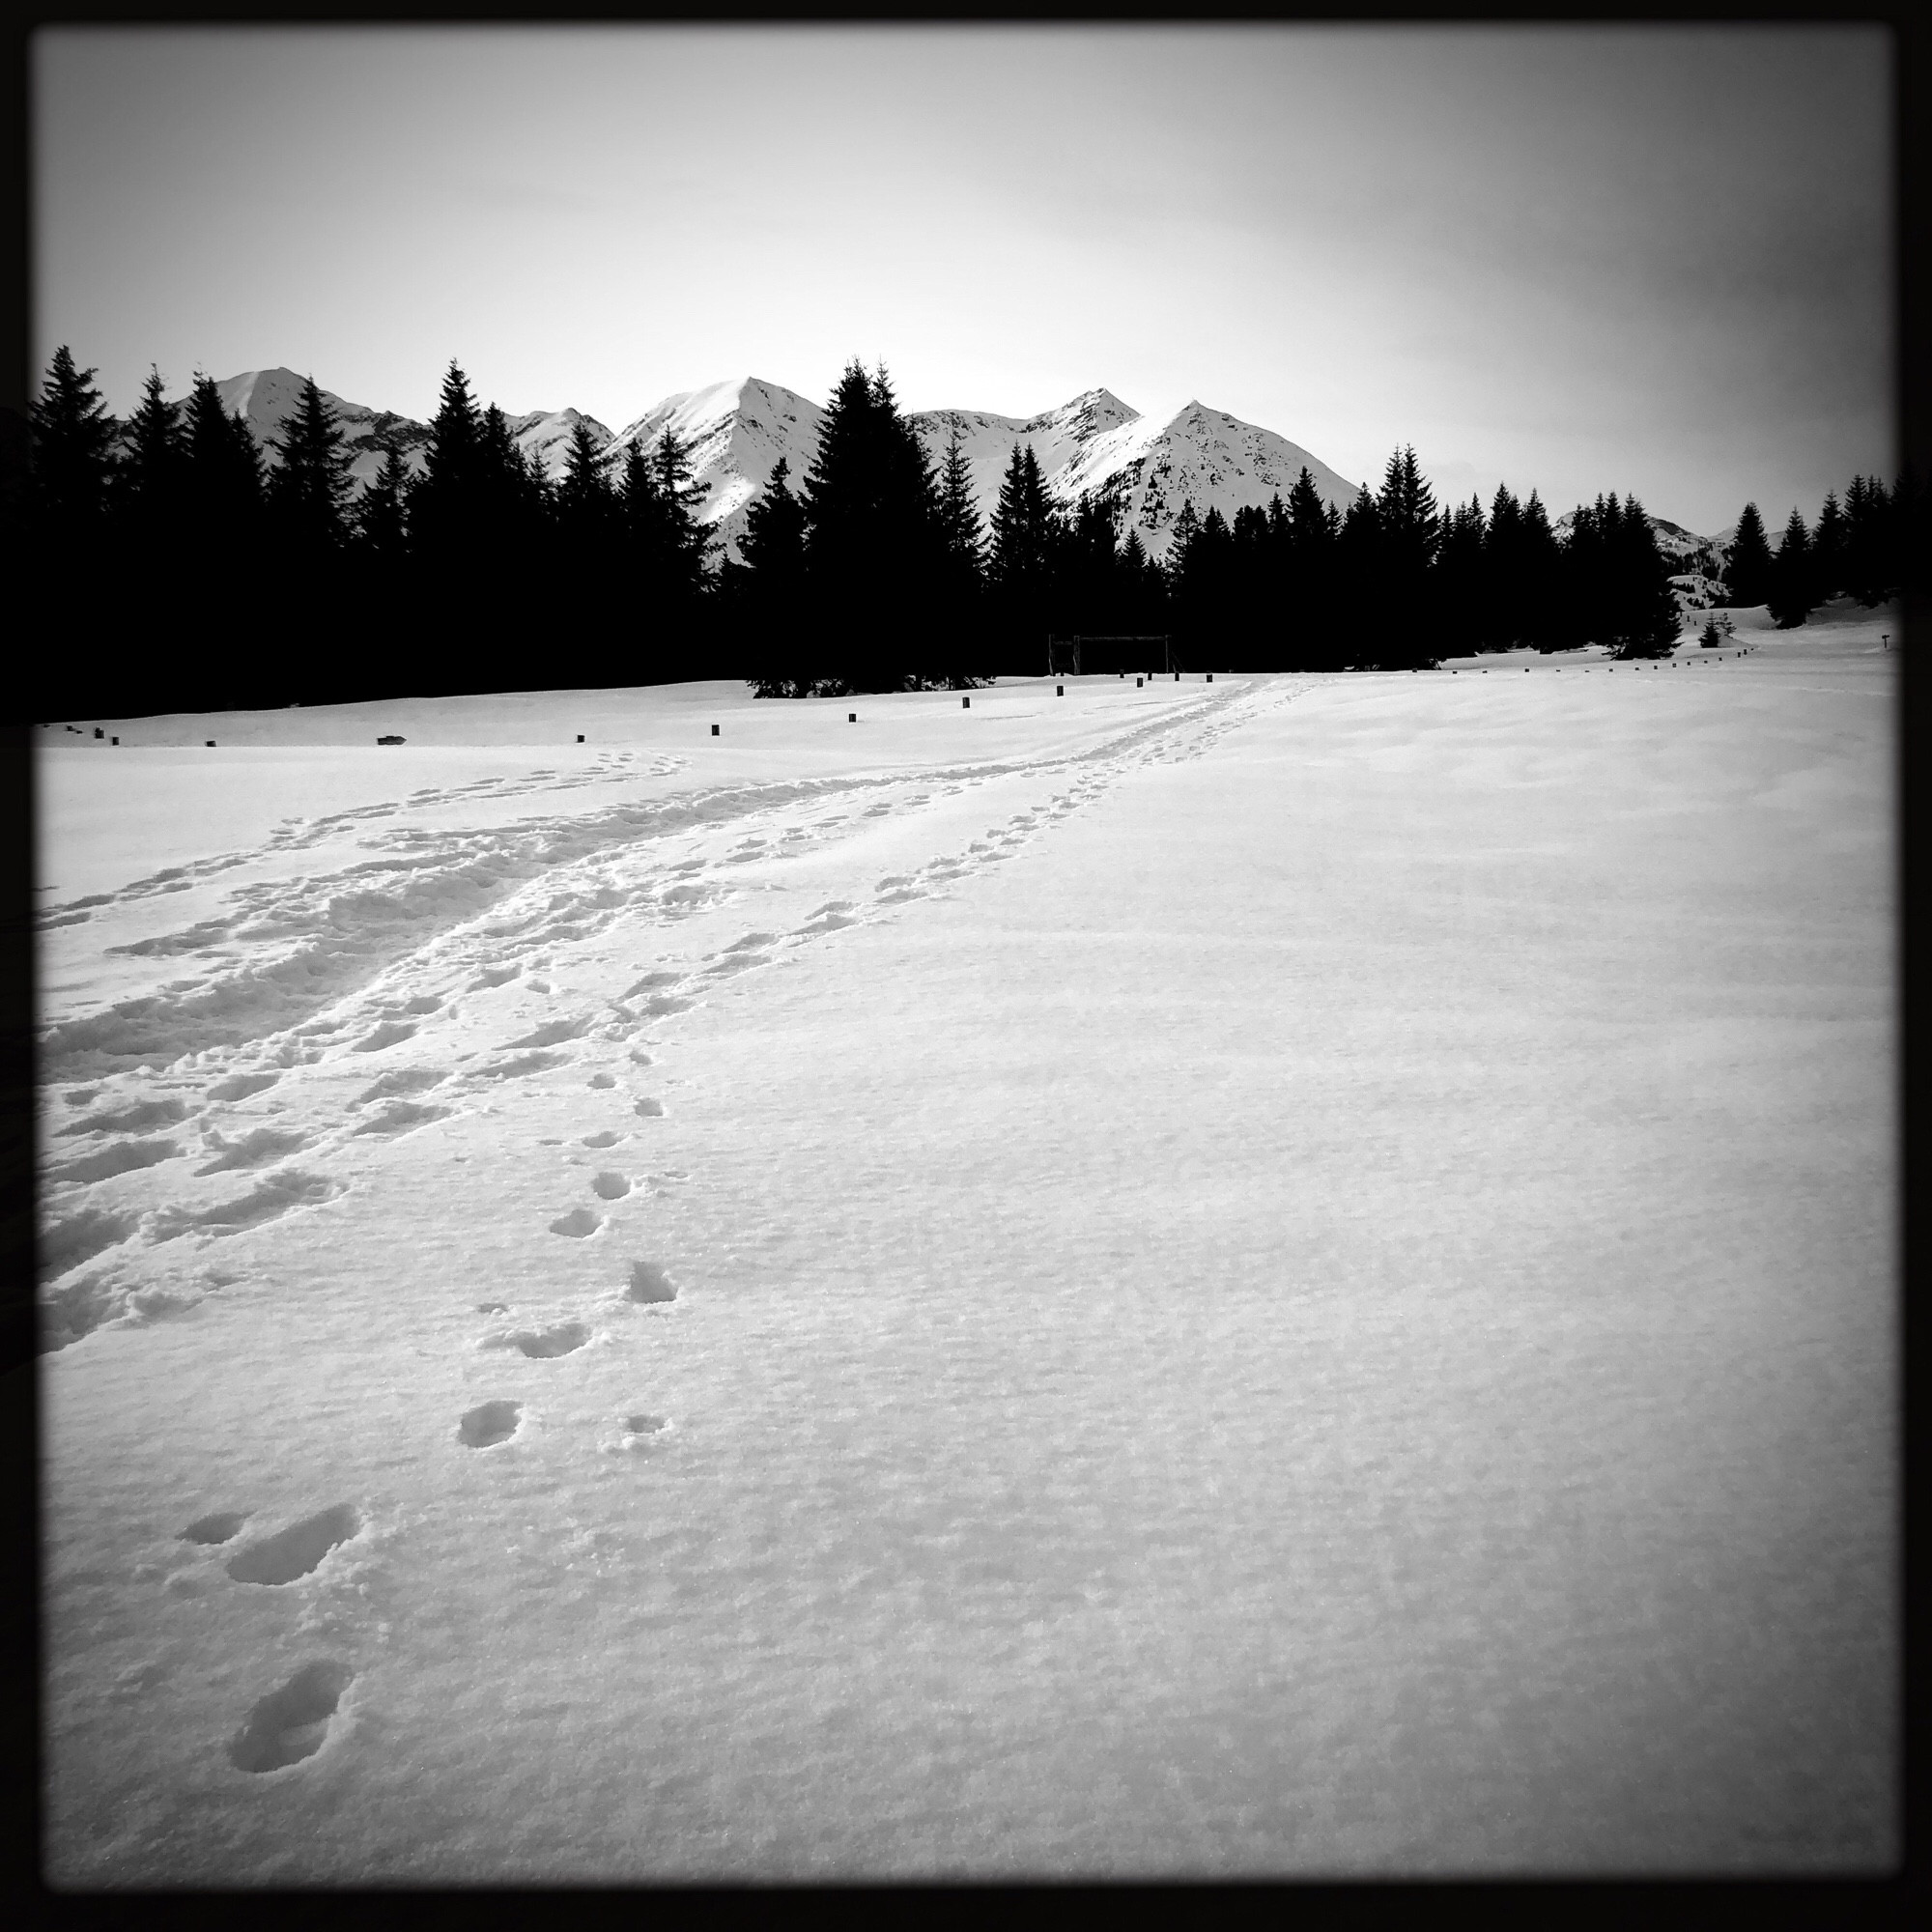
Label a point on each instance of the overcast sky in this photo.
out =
(1634, 259)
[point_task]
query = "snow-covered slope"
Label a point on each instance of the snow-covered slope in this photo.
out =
(548, 431)
(736, 432)
(266, 398)
(1098, 445)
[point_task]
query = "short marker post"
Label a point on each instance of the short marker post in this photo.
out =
(965, 705)
(1060, 691)
(713, 730)
(114, 741)
(1137, 684)
(211, 744)
(1210, 677)
(851, 718)
(580, 738)
(98, 732)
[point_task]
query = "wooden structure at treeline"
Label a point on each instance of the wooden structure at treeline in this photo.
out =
(1081, 654)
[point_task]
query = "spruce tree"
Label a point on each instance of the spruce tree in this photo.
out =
(447, 523)
(71, 454)
(1792, 595)
(1639, 616)
(309, 489)
(379, 521)
(684, 542)
(962, 534)
(1542, 572)
(148, 480)
(1828, 549)
(772, 549)
(1748, 568)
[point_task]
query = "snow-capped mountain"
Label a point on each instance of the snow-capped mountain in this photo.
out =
(736, 431)
(549, 432)
(266, 398)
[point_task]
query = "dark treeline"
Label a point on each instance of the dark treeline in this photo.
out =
(184, 572)
(1867, 547)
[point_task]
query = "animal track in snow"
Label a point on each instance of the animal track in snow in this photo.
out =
(490, 1423)
(391, 1032)
(118, 1157)
(542, 1345)
(239, 1086)
(554, 1034)
(577, 1224)
(79, 1238)
(650, 1284)
(515, 1069)
(220, 1527)
(296, 1550)
(255, 1150)
(129, 1120)
(290, 1724)
(403, 1117)
(611, 1187)
(403, 1080)
(269, 1200)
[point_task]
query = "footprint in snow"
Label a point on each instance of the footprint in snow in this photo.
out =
(291, 1723)
(650, 1284)
(604, 1140)
(649, 1109)
(577, 1224)
(609, 1186)
(296, 1550)
(489, 1424)
(222, 1526)
(542, 1345)
(603, 1080)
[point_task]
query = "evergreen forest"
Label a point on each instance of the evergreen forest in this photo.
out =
(184, 571)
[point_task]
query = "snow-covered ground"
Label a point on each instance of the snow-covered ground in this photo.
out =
(1290, 1277)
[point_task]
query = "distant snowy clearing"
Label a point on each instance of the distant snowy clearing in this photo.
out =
(1285, 1278)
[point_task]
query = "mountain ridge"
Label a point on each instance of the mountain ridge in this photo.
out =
(737, 429)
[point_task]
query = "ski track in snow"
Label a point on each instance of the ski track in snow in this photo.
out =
(409, 964)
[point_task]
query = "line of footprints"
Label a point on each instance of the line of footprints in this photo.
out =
(290, 1723)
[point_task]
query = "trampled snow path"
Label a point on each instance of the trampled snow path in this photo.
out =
(336, 1001)
(1301, 1284)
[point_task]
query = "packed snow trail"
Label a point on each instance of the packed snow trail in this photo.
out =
(1302, 1287)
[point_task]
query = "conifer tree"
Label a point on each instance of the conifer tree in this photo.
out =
(1791, 595)
(1867, 509)
(309, 489)
(773, 549)
(380, 518)
(963, 537)
(148, 480)
(447, 524)
(71, 454)
(1828, 549)
(1748, 569)
(684, 543)
(1640, 615)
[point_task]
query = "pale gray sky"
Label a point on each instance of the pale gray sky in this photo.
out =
(1634, 259)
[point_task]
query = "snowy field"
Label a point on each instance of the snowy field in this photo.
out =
(1291, 1277)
